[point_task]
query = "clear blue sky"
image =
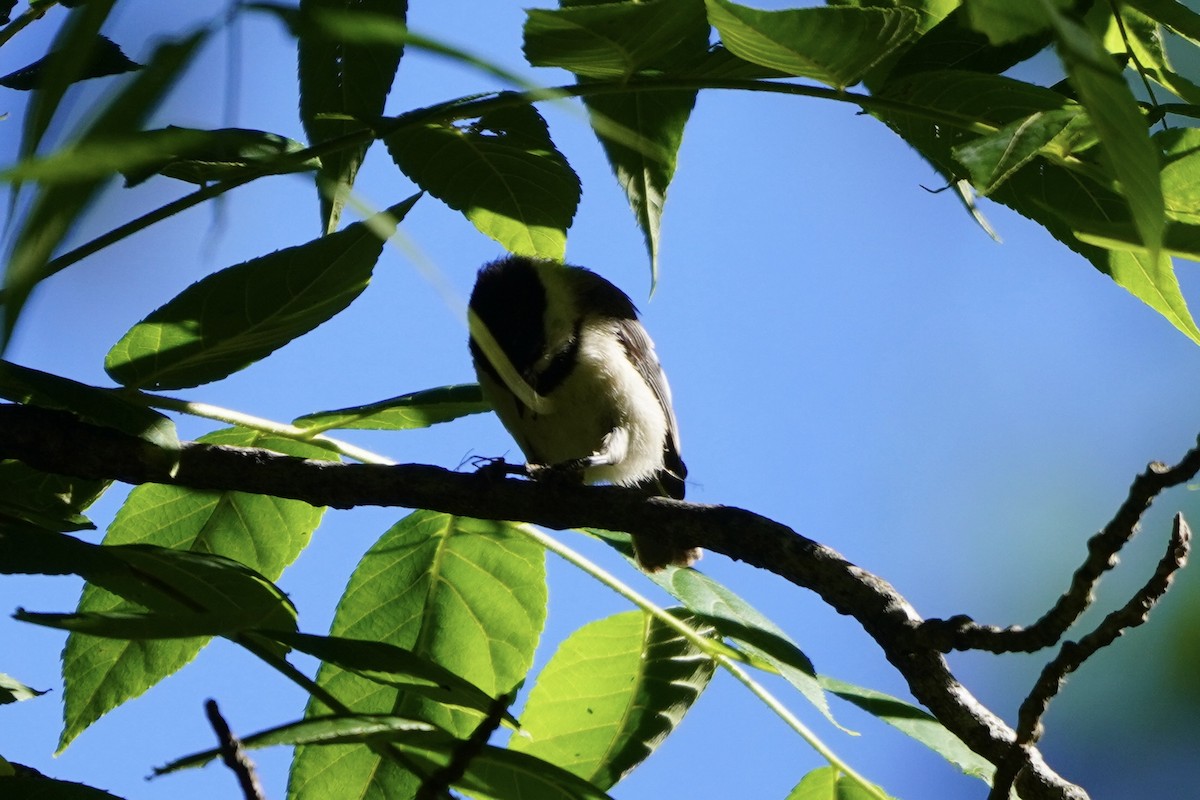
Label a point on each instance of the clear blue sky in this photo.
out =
(850, 355)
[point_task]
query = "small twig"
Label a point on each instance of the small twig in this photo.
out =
(1072, 655)
(233, 754)
(438, 784)
(962, 633)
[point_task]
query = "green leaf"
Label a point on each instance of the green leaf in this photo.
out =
(234, 317)
(992, 158)
(92, 404)
(261, 532)
(501, 171)
(103, 58)
(1123, 130)
(1040, 189)
(954, 44)
(610, 694)
(1004, 21)
(333, 729)
(408, 411)
(1142, 37)
(609, 40)
(746, 627)
(1180, 174)
(735, 619)
(834, 45)
(13, 691)
(56, 207)
(393, 666)
(830, 783)
(346, 78)
(640, 131)
(916, 723)
(204, 156)
(467, 594)
(49, 501)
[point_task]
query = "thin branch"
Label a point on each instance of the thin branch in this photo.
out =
(57, 442)
(962, 633)
(438, 784)
(1072, 655)
(233, 754)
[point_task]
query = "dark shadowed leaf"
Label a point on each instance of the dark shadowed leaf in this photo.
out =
(29, 783)
(205, 156)
(611, 40)
(610, 694)
(103, 58)
(326, 730)
(46, 500)
(89, 403)
(834, 45)
(991, 158)
(467, 594)
(393, 666)
(501, 171)
(229, 320)
(340, 77)
(261, 532)
(415, 410)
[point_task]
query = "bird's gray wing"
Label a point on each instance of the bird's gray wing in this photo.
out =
(637, 344)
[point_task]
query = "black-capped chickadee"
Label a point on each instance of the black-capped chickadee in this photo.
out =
(583, 392)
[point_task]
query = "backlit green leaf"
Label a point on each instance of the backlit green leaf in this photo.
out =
(229, 320)
(466, 594)
(829, 783)
(834, 45)
(501, 171)
(13, 691)
(263, 533)
(610, 694)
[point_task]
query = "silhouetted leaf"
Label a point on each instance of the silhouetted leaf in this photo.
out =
(103, 58)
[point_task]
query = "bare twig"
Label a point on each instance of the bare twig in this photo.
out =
(233, 754)
(438, 784)
(1072, 655)
(962, 633)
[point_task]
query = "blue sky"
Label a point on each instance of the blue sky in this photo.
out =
(849, 354)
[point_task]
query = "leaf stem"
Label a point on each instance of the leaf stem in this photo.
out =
(260, 424)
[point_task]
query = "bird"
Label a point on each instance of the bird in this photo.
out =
(582, 392)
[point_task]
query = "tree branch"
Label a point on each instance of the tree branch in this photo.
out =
(962, 633)
(57, 442)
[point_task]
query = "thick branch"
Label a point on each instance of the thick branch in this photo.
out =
(57, 442)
